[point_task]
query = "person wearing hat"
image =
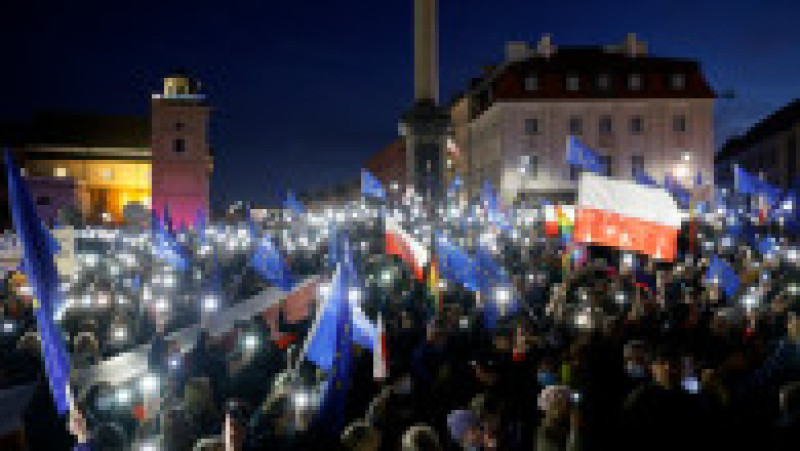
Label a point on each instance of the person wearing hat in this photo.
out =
(464, 429)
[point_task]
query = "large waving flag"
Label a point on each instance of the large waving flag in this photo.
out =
(720, 273)
(492, 278)
(268, 262)
(371, 186)
(401, 243)
(625, 215)
(42, 275)
(331, 348)
(454, 264)
(580, 155)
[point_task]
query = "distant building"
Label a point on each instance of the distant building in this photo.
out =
(770, 148)
(98, 164)
(639, 112)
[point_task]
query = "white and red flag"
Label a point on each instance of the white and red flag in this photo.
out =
(380, 353)
(401, 243)
(626, 215)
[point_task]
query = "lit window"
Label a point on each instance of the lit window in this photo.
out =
(603, 82)
(678, 82)
(575, 125)
(532, 83)
(107, 174)
(573, 83)
(635, 82)
(61, 172)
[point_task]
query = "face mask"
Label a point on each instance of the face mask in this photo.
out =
(635, 370)
(546, 378)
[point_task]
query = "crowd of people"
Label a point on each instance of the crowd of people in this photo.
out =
(614, 351)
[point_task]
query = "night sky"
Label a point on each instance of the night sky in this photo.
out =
(304, 91)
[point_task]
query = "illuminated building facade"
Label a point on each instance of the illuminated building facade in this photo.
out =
(95, 165)
(639, 112)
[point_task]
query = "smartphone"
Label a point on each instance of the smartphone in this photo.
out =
(576, 397)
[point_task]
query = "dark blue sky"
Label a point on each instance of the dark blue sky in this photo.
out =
(305, 90)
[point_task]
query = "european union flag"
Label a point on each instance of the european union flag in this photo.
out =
(371, 186)
(580, 155)
(164, 242)
(643, 178)
(334, 400)
(292, 204)
(42, 275)
(678, 192)
(268, 262)
(721, 273)
(200, 226)
(455, 264)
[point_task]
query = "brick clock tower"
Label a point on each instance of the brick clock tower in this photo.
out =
(180, 151)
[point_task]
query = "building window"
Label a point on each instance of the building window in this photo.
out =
(679, 123)
(573, 82)
(179, 145)
(605, 126)
(107, 174)
(637, 165)
(531, 126)
(575, 125)
(60, 172)
(574, 172)
(180, 126)
(637, 125)
(603, 82)
(678, 82)
(531, 83)
(634, 82)
(43, 201)
(606, 161)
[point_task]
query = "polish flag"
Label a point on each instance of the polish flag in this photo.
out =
(411, 251)
(551, 220)
(626, 215)
(380, 354)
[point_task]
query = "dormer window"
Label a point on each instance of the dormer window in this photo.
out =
(678, 82)
(573, 82)
(531, 83)
(603, 82)
(635, 82)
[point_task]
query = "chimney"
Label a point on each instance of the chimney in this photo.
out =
(545, 46)
(426, 60)
(517, 51)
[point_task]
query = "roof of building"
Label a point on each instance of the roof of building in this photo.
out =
(779, 121)
(79, 129)
(507, 80)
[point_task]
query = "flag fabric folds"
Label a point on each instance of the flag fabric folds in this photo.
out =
(625, 215)
(165, 244)
(42, 276)
(643, 178)
(371, 186)
(580, 155)
(268, 262)
(720, 273)
(401, 243)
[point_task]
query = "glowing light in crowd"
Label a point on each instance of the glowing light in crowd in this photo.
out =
(354, 295)
(210, 303)
(8, 327)
(324, 290)
(251, 342)
(149, 384)
(162, 305)
(119, 333)
(123, 396)
(301, 400)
